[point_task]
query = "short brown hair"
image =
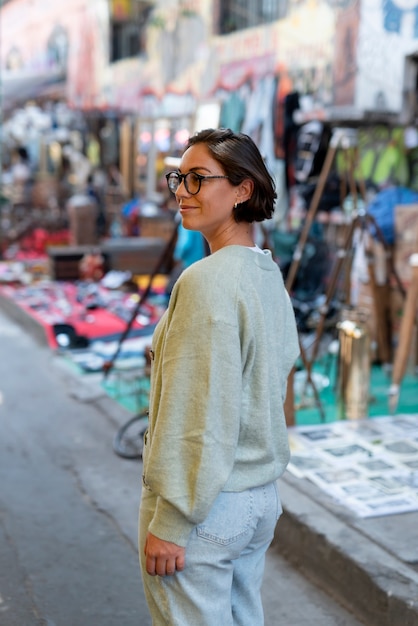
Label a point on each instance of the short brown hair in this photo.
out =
(240, 159)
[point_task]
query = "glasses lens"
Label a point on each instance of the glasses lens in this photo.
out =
(173, 181)
(192, 182)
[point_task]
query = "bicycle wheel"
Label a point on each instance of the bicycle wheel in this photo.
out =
(129, 439)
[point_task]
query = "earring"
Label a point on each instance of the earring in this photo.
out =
(235, 205)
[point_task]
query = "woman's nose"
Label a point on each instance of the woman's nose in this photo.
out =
(181, 190)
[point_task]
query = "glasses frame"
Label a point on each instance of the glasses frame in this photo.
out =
(183, 178)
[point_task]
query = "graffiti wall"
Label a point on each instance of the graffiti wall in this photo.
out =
(35, 35)
(183, 56)
(40, 39)
(332, 53)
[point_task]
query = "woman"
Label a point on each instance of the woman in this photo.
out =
(217, 439)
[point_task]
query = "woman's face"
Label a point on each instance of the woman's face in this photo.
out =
(210, 210)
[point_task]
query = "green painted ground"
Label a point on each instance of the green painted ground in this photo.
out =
(378, 398)
(133, 395)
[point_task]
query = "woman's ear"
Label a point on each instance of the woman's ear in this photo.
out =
(245, 190)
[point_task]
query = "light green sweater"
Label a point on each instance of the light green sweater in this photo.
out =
(222, 353)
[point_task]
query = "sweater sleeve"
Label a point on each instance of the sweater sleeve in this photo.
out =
(197, 412)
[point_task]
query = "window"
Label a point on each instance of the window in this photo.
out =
(239, 14)
(128, 28)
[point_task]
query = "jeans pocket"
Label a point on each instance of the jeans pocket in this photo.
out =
(229, 518)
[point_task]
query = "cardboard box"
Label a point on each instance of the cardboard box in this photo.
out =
(138, 255)
(64, 261)
(161, 226)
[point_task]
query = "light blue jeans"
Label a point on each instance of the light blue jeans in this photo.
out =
(225, 557)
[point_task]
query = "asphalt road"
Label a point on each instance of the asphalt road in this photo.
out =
(68, 507)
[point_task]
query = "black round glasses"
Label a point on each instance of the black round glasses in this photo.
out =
(192, 181)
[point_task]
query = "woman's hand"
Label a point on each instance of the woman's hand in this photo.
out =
(163, 558)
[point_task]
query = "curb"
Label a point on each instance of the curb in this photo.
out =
(373, 584)
(25, 321)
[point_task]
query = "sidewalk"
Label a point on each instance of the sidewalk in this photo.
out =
(368, 565)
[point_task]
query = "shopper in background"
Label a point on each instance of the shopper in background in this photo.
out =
(217, 438)
(190, 247)
(22, 177)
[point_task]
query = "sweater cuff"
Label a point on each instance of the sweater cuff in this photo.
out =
(170, 524)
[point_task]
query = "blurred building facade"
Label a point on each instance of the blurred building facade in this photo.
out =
(150, 73)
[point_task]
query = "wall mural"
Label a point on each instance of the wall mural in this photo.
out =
(40, 31)
(397, 14)
(387, 35)
(58, 45)
(329, 52)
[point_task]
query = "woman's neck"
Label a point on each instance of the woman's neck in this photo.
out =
(240, 235)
